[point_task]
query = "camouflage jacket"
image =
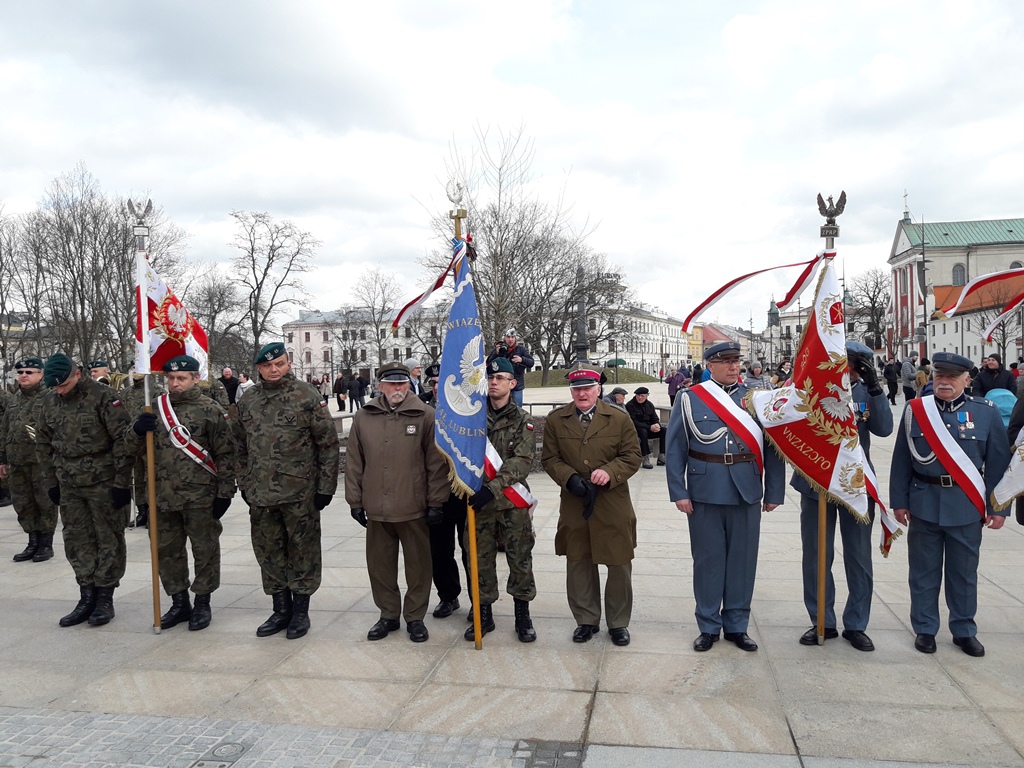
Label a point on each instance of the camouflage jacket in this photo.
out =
(286, 441)
(18, 426)
(79, 438)
(393, 469)
(511, 433)
(181, 482)
(134, 395)
(215, 391)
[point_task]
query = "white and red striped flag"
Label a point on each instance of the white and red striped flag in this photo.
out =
(164, 328)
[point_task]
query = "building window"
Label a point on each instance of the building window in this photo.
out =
(290, 335)
(593, 346)
(394, 353)
(408, 352)
(408, 332)
(611, 323)
(1016, 265)
(959, 274)
(433, 331)
(362, 334)
(611, 345)
(956, 328)
(593, 324)
(309, 355)
(326, 336)
(291, 358)
(967, 324)
(327, 355)
(344, 335)
(307, 337)
(433, 353)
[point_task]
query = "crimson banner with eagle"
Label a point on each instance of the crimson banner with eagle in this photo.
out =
(164, 328)
(811, 420)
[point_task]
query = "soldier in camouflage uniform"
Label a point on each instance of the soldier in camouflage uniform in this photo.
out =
(511, 433)
(36, 513)
(216, 392)
(6, 401)
(86, 469)
(192, 496)
(135, 401)
(288, 472)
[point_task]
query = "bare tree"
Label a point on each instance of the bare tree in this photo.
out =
(990, 301)
(213, 298)
(272, 257)
(870, 294)
(377, 293)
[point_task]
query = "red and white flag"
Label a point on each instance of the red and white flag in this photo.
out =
(811, 421)
(164, 328)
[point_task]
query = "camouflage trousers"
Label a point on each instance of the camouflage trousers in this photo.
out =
(198, 526)
(140, 488)
(516, 526)
(36, 513)
(93, 535)
(286, 542)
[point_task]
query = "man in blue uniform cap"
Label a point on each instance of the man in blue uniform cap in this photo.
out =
(951, 450)
(715, 453)
(874, 417)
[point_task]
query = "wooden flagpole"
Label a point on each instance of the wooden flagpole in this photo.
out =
(474, 569)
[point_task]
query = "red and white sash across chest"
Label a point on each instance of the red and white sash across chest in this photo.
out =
(739, 421)
(181, 438)
(951, 456)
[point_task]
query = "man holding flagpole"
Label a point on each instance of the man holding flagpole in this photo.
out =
(951, 451)
(722, 474)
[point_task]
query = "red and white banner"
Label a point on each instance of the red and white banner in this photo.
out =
(811, 421)
(739, 421)
(517, 493)
(164, 328)
(802, 281)
(992, 289)
(951, 456)
(1012, 483)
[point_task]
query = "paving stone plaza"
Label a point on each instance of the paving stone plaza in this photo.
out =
(122, 695)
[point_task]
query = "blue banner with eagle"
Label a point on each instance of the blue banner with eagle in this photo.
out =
(460, 427)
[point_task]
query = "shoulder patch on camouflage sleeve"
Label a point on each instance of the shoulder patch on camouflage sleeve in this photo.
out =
(115, 403)
(529, 426)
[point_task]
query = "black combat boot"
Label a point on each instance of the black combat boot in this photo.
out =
(281, 616)
(30, 551)
(486, 623)
(200, 613)
(299, 625)
(86, 605)
(179, 611)
(142, 518)
(45, 550)
(5, 498)
(524, 625)
(104, 610)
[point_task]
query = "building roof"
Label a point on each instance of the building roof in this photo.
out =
(961, 234)
(998, 296)
(713, 334)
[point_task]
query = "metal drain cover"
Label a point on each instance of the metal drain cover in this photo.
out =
(221, 756)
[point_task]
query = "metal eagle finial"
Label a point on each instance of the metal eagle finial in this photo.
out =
(831, 210)
(140, 218)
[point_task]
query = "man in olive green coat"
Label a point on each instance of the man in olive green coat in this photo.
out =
(36, 513)
(194, 467)
(591, 450)
(288, 472)
(86, 469)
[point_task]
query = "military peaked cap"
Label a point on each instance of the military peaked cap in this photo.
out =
(726, 350)
(395, 373)
(950, 362)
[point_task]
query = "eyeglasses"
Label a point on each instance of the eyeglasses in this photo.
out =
(29, 372)
(500, 378)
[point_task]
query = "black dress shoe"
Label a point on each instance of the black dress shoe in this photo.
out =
(858, 639)
(381, 629)
(970, 645)
(417, 631)
(584, 632)
(741, 639)
(810, 637)
(925, 643)
(445, 608)
(620, 635)
(704, 642)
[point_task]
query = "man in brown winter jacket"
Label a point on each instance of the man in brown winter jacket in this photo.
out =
(395, 482)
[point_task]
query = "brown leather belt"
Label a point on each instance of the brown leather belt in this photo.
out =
(946, 481)
(723, 458)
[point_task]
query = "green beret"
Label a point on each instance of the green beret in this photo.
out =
(182, 363)
(500, 365)
(271, 351)
(99, 364)
(29, 362)
(57, 369)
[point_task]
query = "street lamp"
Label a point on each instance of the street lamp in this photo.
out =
(773, 322)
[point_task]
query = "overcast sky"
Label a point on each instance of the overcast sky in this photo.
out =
(694, 135)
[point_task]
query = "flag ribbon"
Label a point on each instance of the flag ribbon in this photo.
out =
(420, 300)
(517, 493)
(957, 464)
(802, 281)
(739, 421)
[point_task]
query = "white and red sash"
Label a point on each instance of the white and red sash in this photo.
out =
(738, 420)
(954, 460)
(517, 493)
(180, 437)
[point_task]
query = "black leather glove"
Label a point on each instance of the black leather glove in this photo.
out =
(321, 500)
(577, 486)
(589, 500)
(145, 423)
(54, 494)
(220, 506)
(359, 515)
(121, 497)
(435, 516)
(481, 498)
(868, 375)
